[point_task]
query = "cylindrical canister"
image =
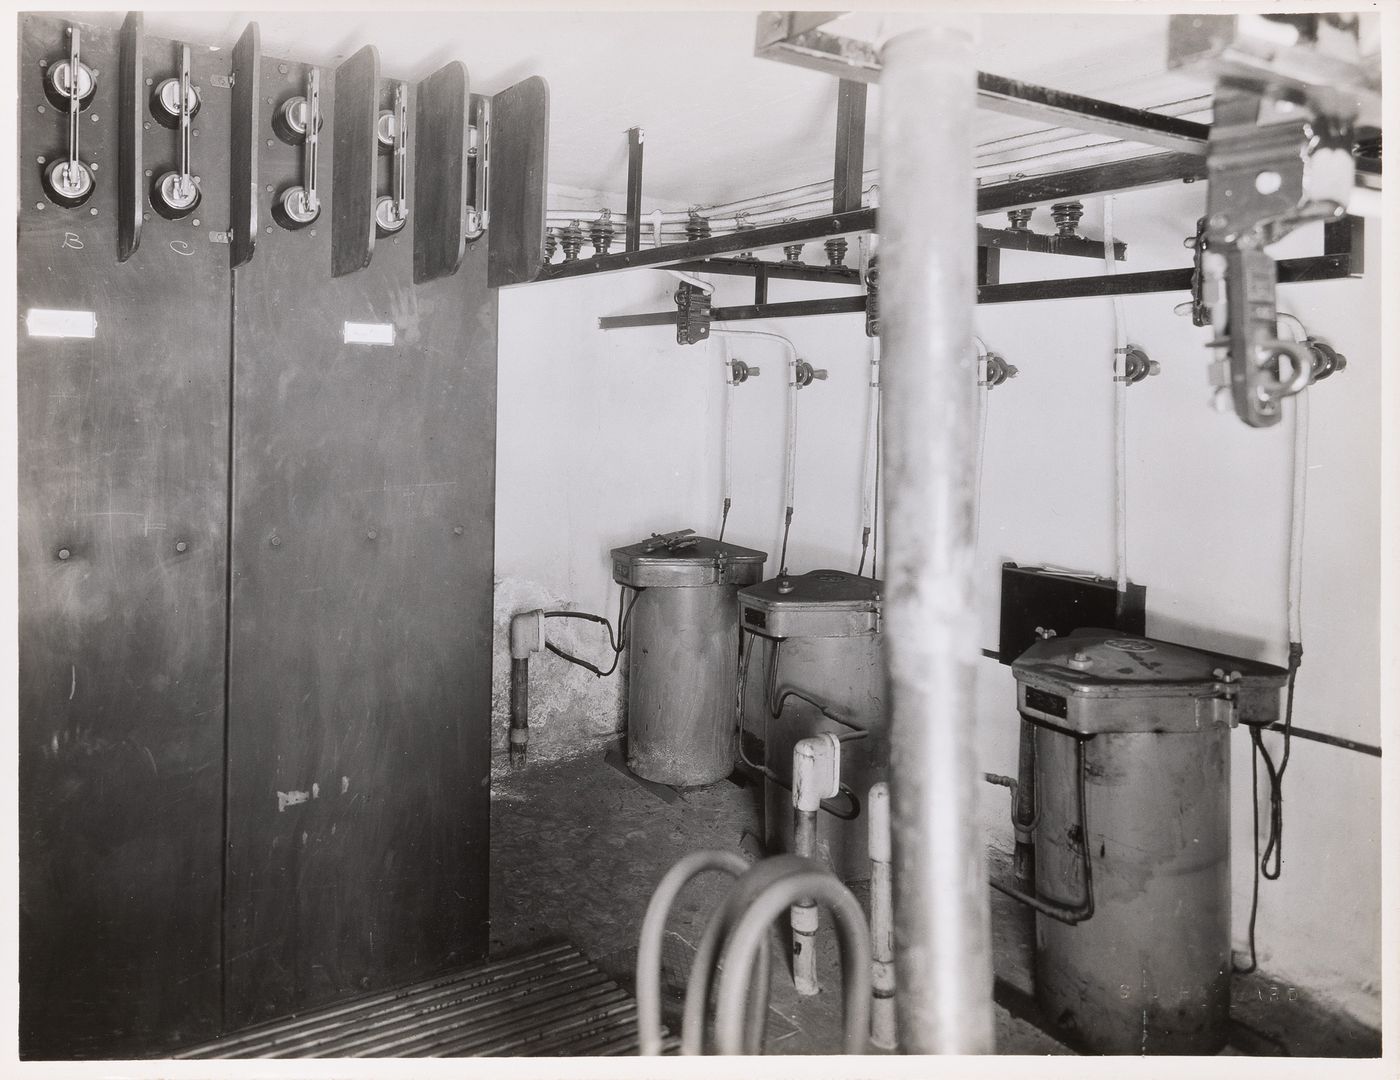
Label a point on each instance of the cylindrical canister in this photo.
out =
(822, 631)
(682, 655)
(1149, 971)
(1131, 756)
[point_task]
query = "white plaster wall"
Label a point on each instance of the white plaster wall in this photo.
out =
(607, 436)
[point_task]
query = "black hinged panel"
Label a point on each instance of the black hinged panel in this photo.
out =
(519, 178)
(440, 187)
(354, 160)
(123, 444)
(360, 623)
(1035, 598)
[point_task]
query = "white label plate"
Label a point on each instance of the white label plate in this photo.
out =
(54, 322)
(369, 333)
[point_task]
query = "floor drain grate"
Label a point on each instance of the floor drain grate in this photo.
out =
(550, 1002)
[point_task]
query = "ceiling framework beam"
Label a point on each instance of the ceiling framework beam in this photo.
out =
(849, 171)
(1058, 187)
(795, 38)
(635, 139)
(1342, 256)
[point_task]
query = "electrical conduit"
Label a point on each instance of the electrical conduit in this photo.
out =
(1120, 413)
(790, 451)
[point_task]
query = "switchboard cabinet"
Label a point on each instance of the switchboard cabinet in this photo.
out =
(360, 640)
(255, 561)
(123, 498)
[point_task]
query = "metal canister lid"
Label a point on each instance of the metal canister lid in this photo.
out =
(819, 603)
(1077, 678)
(683, 559)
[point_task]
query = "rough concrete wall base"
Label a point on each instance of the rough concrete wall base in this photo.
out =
(571, 709)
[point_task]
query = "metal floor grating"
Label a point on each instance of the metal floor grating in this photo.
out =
(550, 1002)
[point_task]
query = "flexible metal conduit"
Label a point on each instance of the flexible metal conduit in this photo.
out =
(653, 928)
(702, 965)
(928, 226)
(747, 948)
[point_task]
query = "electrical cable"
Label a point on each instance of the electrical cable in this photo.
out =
(983, 402)
(728, 465)
(872, 417)
(616, 643)
(875, 524)
(746, 652)
(1273, 848)
(1120, 412)
(790, 452)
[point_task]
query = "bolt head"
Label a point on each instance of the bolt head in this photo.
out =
(182, 547)
(64, 553)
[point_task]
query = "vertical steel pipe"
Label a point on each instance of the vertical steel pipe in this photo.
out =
(928, 239)
(882, 976)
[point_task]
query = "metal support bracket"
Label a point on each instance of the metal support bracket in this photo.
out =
(692, 314)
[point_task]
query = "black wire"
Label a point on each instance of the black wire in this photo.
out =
(1254, 900)
(745, 653)
(787, 527)
(864, 547)
(724, 521)
(1274, 847)
(617, 643)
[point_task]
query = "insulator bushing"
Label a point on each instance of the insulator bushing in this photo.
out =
(1067, 215)
(696, 227)
(1020, 219)
(792, 252)
(571, 240)
(601, 233)
(551, 244)
(836, 250)
(872, 296)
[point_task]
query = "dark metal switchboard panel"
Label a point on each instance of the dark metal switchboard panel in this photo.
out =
(360, 632)
(122, 377)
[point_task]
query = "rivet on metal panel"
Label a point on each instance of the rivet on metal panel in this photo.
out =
(181, 546)
(372, 534)
(63, 553)
(38, 206)
(457, 530)
(276, 541)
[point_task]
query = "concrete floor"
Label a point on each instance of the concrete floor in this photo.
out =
(577, 847)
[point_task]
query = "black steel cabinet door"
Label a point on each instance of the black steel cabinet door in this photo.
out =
(123, 449)
(360, 619)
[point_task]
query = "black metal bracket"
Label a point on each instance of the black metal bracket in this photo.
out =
(692, 315)
(1342, 256)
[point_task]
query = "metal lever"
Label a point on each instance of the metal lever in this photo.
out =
(741, 372)
(68, 181)
(299, 120)
(995, 370)
(671, 541)
(479, 213)
(391, 212)
(176, 194)
(806, 373)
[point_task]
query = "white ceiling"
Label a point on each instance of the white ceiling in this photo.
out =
(720, 124)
